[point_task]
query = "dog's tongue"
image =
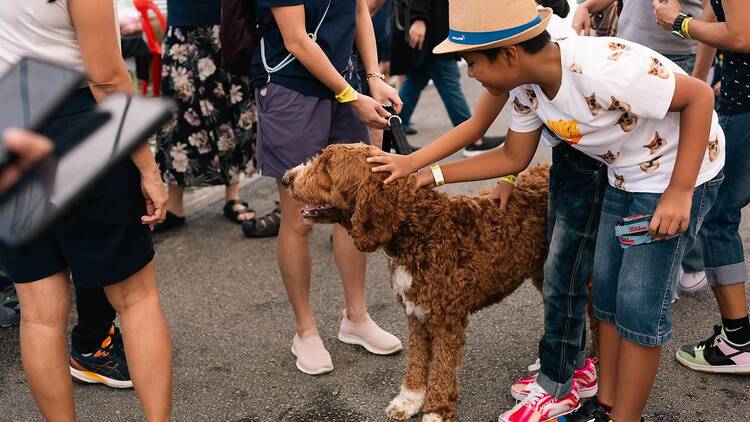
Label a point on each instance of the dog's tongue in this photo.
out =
(311, 210)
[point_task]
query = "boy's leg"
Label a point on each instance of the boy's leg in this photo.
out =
(410, 92)
(44, 316)
(445, 74)
(147, 341)
(634, 386)
(647, 280)
(576, 188)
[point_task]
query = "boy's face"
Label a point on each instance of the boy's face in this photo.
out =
(497, 76)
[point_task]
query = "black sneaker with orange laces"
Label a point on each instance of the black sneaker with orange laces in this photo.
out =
(106, 365)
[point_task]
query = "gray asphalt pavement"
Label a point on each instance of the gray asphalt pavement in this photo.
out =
(232, 328)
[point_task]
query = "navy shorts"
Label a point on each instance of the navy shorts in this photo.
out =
(102, 240)
(293, 128)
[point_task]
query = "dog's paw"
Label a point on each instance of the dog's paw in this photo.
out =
(433, 417)
(406, 404)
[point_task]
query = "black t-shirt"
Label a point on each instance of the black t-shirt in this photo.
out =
(335, 37)
(735, 76)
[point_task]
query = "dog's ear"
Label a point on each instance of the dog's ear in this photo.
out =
(376, 214)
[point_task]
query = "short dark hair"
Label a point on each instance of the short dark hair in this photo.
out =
(531, 46)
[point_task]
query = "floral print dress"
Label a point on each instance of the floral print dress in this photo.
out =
(211, 139)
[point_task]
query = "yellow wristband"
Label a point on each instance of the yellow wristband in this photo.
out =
(684, 28)
(513, 180)
(437, 174)
(347, 95)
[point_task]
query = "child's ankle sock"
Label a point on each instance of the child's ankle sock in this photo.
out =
(737, 330)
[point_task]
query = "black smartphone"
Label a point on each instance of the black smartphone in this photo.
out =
(54, 185)
(30, 92)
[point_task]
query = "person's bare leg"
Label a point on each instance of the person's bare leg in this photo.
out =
(293, 253)
(609, 349)
(45, 305)
(146, 339)
(232, 192)
(352, 265)
(637, 365)
(376, 136)
(174, 203)
(732, 300)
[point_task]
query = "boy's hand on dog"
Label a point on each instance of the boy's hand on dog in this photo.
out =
(425, 179)
(398, 165)
(500, 193)
(672, 215)
(371, 112)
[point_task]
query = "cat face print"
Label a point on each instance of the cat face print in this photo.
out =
(657, 69)
(609, 157)
(656, 144)
(650, 166)
(594, 106)
(619, 181)
(519, 107)
(713, 149)
(627, 122)
(617, 50)
(619, 105)
(576, 68)
(532, 98)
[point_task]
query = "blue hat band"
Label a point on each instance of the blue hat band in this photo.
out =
(479, 38)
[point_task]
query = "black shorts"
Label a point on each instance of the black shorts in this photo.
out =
(102, 240)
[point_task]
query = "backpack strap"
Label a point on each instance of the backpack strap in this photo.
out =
(290, 57)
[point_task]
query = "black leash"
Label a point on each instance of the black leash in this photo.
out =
(395, 138)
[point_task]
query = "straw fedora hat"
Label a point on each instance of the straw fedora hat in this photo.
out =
(483, 24)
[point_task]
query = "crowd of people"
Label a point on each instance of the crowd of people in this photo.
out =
(631, 121)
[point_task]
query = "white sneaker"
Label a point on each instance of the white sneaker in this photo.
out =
(692, 282)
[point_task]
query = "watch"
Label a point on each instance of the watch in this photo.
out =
(677, 29)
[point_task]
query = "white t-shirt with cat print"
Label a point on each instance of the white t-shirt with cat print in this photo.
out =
(613, 105)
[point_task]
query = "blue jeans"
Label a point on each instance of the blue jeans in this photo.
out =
(686, 61)
(577, 184)
(444, 73)
(634, 287)
(719, 249)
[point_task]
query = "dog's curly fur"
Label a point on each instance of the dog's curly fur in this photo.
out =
(449, 257)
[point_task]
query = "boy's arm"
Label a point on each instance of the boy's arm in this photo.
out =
(512, 158)
(582, 16)
(694, 100)
(488, 107)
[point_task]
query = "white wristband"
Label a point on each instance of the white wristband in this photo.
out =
(437, 174)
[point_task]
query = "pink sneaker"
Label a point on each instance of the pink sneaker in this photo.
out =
(368, 335)
(584, 377)
(538, 406)
(312, 356)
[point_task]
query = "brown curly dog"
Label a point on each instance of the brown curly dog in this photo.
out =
(449, 257)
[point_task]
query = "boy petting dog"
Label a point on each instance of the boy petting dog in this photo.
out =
(603, 102)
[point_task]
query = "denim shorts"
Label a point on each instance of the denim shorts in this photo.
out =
(633, 287)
